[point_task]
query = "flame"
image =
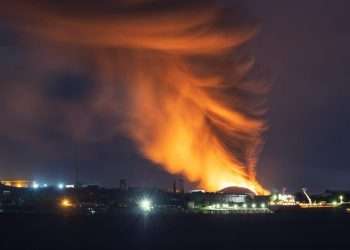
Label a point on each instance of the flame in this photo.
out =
(173, 125)
(183, 83)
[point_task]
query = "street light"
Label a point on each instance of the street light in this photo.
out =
(66, 203)
(145, 205)
(35, 185)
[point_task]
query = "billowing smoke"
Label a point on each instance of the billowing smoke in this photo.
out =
(170, 71)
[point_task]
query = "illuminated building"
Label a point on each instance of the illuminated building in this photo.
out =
(228, 200)
(17, 183)
(283, 199)
(199, 199)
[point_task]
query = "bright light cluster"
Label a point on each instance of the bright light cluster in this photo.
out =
(146, 205)
(244, 206)
(35, 185)
(283, 199)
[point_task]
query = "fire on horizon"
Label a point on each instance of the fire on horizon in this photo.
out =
(189, 104)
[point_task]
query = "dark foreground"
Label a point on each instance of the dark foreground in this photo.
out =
(180, 231)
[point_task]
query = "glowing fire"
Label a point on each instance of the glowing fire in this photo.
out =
(174, 127)
(184, 86)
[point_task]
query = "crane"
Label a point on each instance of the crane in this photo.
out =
(307, 196)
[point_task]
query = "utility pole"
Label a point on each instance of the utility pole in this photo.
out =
(76, 174)
(76, 165)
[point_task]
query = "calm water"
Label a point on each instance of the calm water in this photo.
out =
(278, 231)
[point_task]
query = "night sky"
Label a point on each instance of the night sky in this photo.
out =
(302, 48)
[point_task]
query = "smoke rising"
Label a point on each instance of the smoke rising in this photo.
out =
(169, 71)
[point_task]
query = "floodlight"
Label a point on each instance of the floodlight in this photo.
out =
(145, 204)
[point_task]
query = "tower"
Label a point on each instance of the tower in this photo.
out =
(174, 187)
(181, 186)
(123, 185)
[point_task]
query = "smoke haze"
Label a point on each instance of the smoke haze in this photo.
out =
(169, 74)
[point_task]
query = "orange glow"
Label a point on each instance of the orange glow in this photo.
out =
(182, 83)
(17, 183)
(66, 203)
(174, 125)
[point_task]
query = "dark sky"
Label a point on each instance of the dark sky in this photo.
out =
(302, 47)
(305, 47)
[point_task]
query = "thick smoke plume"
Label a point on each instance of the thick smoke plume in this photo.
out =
(171, 72)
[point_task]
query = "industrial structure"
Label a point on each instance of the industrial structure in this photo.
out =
(33, 197)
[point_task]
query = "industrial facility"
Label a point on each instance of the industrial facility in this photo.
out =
(34, 197)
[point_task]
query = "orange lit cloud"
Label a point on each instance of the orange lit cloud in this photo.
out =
(183, 83)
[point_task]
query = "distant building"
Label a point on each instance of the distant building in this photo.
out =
(213, 198)
(17, 183)
(123, 185)
(229, 195)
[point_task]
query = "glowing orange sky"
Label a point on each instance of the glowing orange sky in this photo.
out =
(182, 78)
